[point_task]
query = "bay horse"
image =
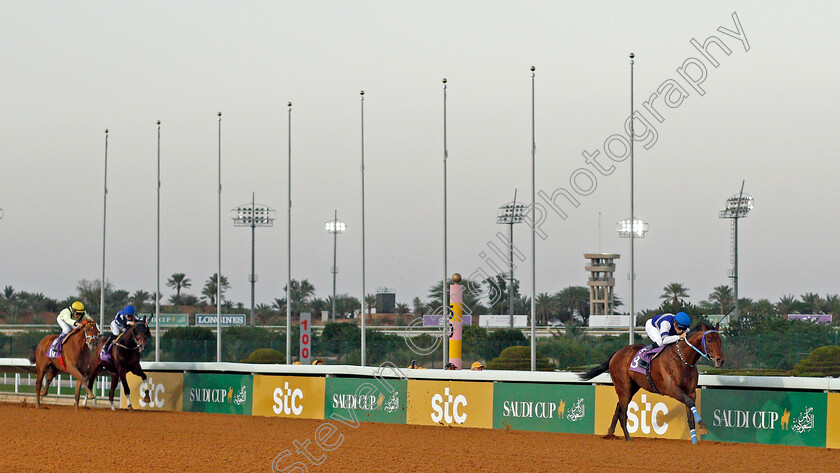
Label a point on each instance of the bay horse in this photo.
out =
(673, 372)
(76, 356)
(125, 352)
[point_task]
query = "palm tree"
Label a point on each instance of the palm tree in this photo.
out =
(402, 309)
(318, 305)
(209, 290)
(301, 292)
(370, 303)
(573, 300)
(139, 298)
(813, 302)
(472, 292)
(419, 307)
(786, 304)
(547, 307)
(675, 293)
(179, 281)
(723, 297)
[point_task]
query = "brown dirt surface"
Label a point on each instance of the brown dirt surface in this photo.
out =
(59, 439)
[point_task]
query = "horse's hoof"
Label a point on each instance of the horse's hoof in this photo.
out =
(130, 408)
(702, 430)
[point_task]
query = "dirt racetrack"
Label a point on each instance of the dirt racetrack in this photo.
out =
(58, 439)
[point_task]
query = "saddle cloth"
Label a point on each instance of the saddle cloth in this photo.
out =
(643, 357)
(55, 349)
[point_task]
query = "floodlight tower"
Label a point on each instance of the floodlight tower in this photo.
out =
(253, 215)
(637, 229)
(737, 207)
(510, 214)
(335, 226)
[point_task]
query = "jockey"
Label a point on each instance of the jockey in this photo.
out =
(667, 328)
(122, 320)
(72, 316)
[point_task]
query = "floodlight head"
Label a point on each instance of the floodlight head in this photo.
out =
(444, 80)
(533, 68)
(257, 215)
(638, 229)
(737, 206)
(335, 226)
(510, 213)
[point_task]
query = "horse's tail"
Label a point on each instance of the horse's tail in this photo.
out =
(602, 368)
(32, 356)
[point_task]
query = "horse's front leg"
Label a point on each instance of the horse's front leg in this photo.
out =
(137, 370)
(692, 414)
(125, 387)
(114, 381)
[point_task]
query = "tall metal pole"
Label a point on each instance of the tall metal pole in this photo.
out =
(735, 248)
(362, 97)
(444, 288)
(253, 277)
(289, 250)
(219, 268)
(533, 231)
(157, 280)
(335, 254)
(511, 279)
(104, 214)
(632, 215)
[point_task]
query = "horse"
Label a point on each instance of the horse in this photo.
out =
(76, 355)
(673, 373)
(126, 352)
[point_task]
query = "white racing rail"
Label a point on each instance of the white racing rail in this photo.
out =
(387, 370)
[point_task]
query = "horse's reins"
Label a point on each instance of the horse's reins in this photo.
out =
(702, 345)
(136, 345)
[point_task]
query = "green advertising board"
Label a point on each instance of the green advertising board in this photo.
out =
(169, 320)
(544, 407)
(218, 393)
(366, 400)
(768, 417)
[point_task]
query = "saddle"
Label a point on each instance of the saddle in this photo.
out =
(642, 362)
(105, 353)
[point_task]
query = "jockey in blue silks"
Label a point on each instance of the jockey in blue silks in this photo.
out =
(667, 328)
(122, 321)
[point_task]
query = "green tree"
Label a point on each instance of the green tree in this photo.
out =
(814, 304)
(402, 309)
(301, 292)
(209, 291)
(139, 299)
(178, 281)
(787, 304)
(547, 307)
(419, 307)
(472, 293)
(722, 296)
(370, 303)
(675, 293)
(573, 300)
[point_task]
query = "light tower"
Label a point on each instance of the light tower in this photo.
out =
(637, 229)
(335, 227)
(253, 215)
(737, 207)
(510, 214)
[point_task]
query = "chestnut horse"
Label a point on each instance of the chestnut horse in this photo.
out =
(125, 356)
(673, 371)
(76, 355)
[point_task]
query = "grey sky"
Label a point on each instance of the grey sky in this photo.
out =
(73, 69)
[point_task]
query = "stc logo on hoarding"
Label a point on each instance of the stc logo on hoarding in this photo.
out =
(288, 401)
(441, 406)
(156, 394)
(646, 417)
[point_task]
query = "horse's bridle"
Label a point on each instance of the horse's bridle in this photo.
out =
(137, 346)
(89, 339)
(704, 353)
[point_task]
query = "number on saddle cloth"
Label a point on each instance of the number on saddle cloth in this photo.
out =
(55, 349)
(641, 362)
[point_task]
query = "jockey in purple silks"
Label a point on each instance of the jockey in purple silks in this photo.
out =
(667, 328)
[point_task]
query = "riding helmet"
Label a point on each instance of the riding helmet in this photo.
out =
(682, 320)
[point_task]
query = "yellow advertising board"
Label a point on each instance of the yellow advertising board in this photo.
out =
(450, 403)
(648, 415)
(166, 391)
(289, 396)
(832, 432)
